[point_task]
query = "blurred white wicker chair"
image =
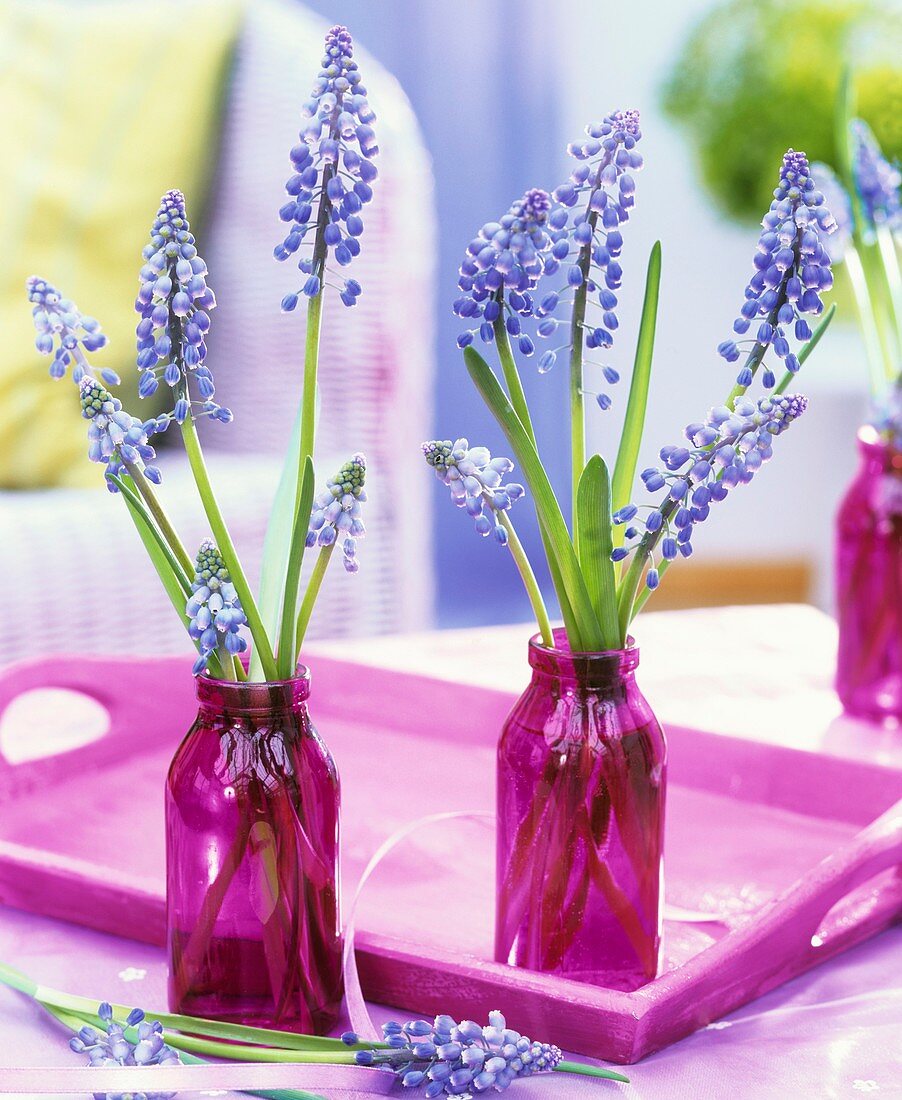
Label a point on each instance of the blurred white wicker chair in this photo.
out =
(75, 574)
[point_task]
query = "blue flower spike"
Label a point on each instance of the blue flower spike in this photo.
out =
(332, 176)
(503, 265)
(724, 451)
(214, 608)
(476, 481)
(792, 269)
(64, 332)
(878, 181)
(174, 303)
(446, 1058)
(336, 514)
(111, 1046)
(587, 232)
(837, 202)
(115, 438)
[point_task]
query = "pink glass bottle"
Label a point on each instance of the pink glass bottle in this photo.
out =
(252, 814)
(581, 785)
(869, 584)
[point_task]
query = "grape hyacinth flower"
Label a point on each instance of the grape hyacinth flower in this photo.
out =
(114, 436)
(214, 608)
(503, 264)
(447, 1058)
(588, 243)
(59, 319)
(336, 512)
(792, 268)
(332, 174)
(475, 480)
(725, 451)
(878, 181)
(174, 302)
(111, 1047)
(837, 202)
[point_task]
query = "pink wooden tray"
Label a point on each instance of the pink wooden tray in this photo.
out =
(779, 847)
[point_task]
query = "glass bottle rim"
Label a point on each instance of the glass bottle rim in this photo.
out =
(872, 444)
(558, 660)
(253, 695)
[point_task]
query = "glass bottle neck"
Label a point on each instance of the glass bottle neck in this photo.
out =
(259, 701)
(604, 673)
(879, 456)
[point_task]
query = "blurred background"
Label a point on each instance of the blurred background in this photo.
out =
(106, 104)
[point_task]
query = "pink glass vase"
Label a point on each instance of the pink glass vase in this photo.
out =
(581, 784)
(869, 584)
(252, 813)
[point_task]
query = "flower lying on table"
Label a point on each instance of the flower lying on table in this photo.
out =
(112, 1047)
(443, 1057)
(458, 1059)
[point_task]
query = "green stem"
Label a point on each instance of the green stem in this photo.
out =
(162, 520)
(810, 345)
(131, 498)
(629, 586)
(226, 662)
(308, 396)
(893, 277)
(590, 1071)
(511, 374)
(15, 979)
(75, 1023)
(645, 595)
(314, 320)
(287, 656)
(577, 407)
(754, 360)
(309, 600)
(227, 547)
(872, 267)
(73, 1012)
(868, 320)
(529, 581)
(175, 581)
(189, 1025)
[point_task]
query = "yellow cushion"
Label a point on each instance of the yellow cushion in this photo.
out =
(103, 107)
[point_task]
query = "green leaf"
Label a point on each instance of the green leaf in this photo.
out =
(583, 628)
(590, 1071)
(177, 588)
(276, 544)
(279, 531)
(594, 546)
(634, 422)
(286, 656)
(171, 574)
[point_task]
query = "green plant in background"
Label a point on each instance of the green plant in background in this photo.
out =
(864, 191)
(756, 76)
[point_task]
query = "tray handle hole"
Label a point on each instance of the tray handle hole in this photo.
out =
(49, 721)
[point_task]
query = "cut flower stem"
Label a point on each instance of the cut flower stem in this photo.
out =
(198, 1038)
(227, 547)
